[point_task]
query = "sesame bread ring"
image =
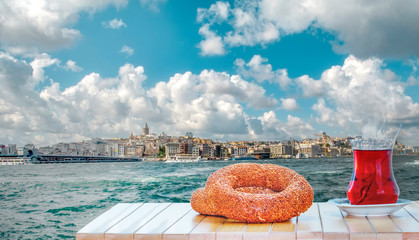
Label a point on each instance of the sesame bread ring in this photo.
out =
(255, 193)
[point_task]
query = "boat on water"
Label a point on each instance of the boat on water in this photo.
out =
(243, 158)
(14, 160)
(184, 158)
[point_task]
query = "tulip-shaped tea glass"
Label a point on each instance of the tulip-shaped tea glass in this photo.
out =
(372, 179)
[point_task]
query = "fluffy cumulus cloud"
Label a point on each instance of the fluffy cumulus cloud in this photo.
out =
(31, 26)
(209, 104)
(72, 66)
(359, 97)
(22, 111)
(364, 97)
(212, 44)
(365, 29)
(294, 127)
(44, 60)
(259, 69)
(289, 104)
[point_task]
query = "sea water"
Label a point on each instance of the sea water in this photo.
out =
(54, 201)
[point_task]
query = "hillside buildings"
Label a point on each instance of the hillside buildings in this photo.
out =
(163, 146)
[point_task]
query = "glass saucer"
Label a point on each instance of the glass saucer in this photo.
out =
(368, 210)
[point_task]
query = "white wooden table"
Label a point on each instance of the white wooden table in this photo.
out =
(179, 221)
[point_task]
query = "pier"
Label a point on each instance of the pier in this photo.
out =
(180, 221)
(45, 159)
(50, 159)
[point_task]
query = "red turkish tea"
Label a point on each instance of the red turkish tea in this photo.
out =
(372, 180)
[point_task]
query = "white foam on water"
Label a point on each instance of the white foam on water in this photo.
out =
(415, 163)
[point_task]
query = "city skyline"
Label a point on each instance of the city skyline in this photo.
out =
(227, 70)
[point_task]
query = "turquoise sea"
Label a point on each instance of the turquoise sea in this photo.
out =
(54, 201)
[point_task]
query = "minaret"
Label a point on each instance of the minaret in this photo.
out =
(146, 130)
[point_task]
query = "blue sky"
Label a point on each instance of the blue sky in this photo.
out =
(226, 70)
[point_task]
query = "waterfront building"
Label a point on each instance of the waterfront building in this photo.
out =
(130, 151)
(11, 149)
(217, 149)
(204, 150)
(224, 152)
(100, 148)
(240, 150)
(280, 150)
(310, 150)
(46, 150)
(195, 150)
(211, 153)
(172, 149)
(111, 149)
(185, 148)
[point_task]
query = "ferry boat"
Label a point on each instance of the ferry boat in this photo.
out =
(243, 158)
(13, 160)
(184, 158)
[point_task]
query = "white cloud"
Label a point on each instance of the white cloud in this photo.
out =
(355, 97)
(289, 104)
(311, 87)
(31, 26)
(127, 50)
(114, 24)
(258, 69)
(152, 5)
(387, 29)
(218, 11)
(72, 66)
(22, 110)
(39, 63)
(208, 103)
(363, 97)
(295, 127)
(44, 60)
(212, 44)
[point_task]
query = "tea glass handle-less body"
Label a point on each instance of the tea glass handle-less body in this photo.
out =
(372, 180)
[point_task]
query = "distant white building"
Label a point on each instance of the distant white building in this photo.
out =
(280, 150)
(310, 150)
(240, 150)
(195, 150)
(172, 149)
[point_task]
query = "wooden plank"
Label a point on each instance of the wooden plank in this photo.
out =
(154, 228)
(126, 228)
(309, 225)
(334, 226)
(408, 225)
(231, 230)
(284, 230)
(178, 221)
(359, 228)
(413, 209)
(96, 228)
(207, 228)
(181, 229)
(385, 228)
(257, 231)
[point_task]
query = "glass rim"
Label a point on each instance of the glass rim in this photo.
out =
(372, 143)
